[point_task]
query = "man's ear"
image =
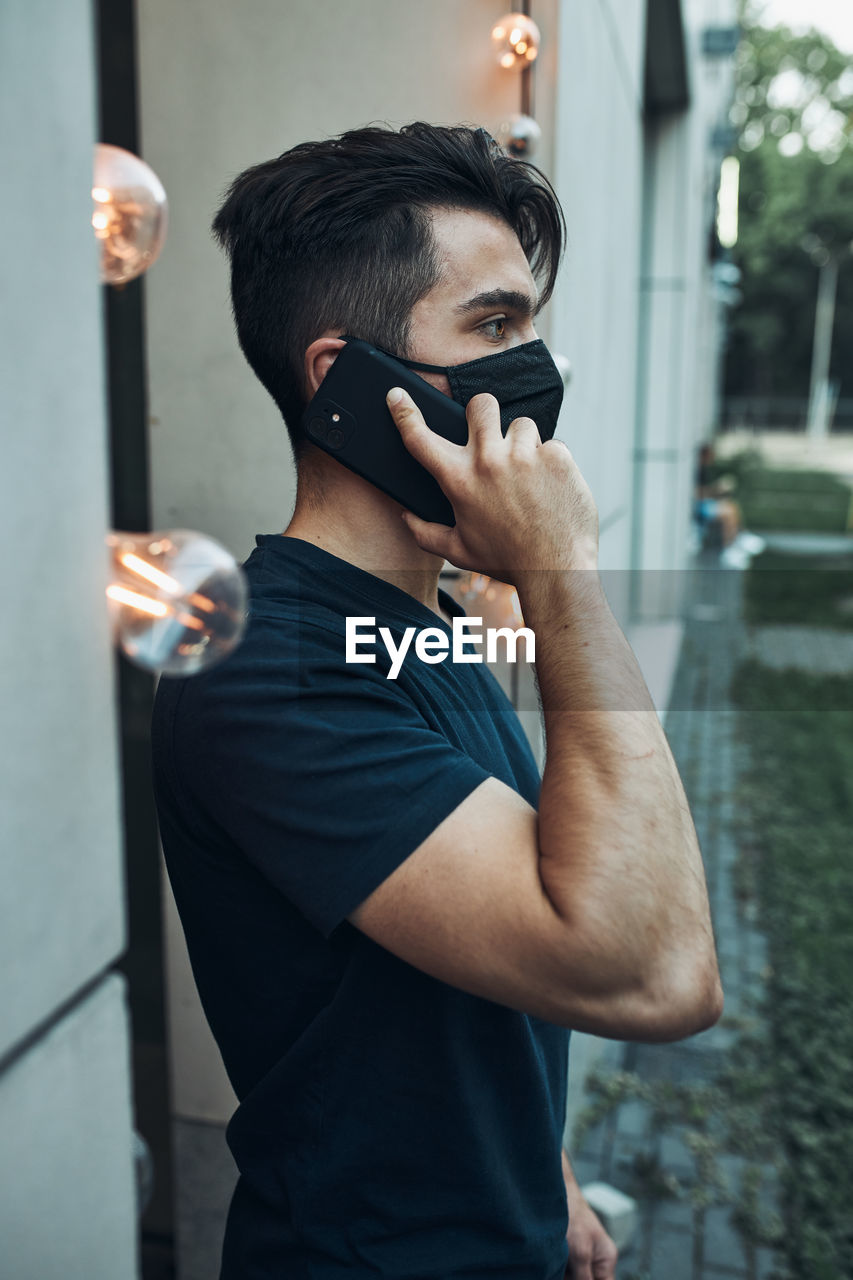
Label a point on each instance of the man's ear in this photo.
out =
(319, 358)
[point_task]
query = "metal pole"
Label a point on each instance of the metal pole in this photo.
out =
(526, 75)
(822, 348)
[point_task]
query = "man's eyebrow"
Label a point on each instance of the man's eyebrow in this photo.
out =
(506, 299)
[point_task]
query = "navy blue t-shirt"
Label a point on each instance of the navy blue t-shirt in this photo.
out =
(390, 1125)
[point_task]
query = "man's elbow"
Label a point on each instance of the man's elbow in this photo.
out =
(668, 1005)
(714, 1002)
(685, 1005)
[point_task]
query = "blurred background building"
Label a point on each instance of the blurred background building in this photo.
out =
(136, 409)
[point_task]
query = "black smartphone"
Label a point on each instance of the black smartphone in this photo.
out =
(350, 420)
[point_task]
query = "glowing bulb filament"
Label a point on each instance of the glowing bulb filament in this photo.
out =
(146, 570)
(144, 603)
(202, 602)
(195, 624)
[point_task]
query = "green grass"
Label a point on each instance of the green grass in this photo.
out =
(798, 797)
(784, 499)
(812, 591)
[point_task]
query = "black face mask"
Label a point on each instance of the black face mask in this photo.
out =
(524, 380)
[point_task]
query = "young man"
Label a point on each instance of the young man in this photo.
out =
(393, 921)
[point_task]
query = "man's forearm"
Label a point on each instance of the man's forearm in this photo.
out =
(568, 1172)
(619, 858)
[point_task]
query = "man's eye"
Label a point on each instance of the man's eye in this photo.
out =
(495, 328)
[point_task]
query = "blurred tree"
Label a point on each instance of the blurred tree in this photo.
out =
(793, 111)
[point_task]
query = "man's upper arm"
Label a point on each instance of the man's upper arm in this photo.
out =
(468, 906)
(324, 778)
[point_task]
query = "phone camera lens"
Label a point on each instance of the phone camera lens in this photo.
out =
(317, 428)
(335, 438)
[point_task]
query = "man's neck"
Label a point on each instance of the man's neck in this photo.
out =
(357, 523)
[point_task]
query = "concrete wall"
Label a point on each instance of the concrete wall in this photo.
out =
(598, 175)
(65, 1115)
(678, 316)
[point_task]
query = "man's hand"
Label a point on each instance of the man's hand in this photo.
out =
(592, 1254)
(520, 504)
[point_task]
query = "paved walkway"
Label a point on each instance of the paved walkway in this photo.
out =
(673, 1239)
(820, 650)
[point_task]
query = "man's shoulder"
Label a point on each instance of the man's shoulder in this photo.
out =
(292, 658)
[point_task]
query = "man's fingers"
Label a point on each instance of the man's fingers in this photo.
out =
(437, 538)
(592, 1254)
(523, 432)
(426, 447)
(484, 422)
(580, 1266)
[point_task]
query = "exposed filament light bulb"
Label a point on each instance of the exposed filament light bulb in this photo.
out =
(515, 39)
(178, 600)
(129, 213)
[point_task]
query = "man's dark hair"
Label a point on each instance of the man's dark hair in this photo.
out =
(337, 234)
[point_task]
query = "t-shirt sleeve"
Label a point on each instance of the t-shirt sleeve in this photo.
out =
(325, 775)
